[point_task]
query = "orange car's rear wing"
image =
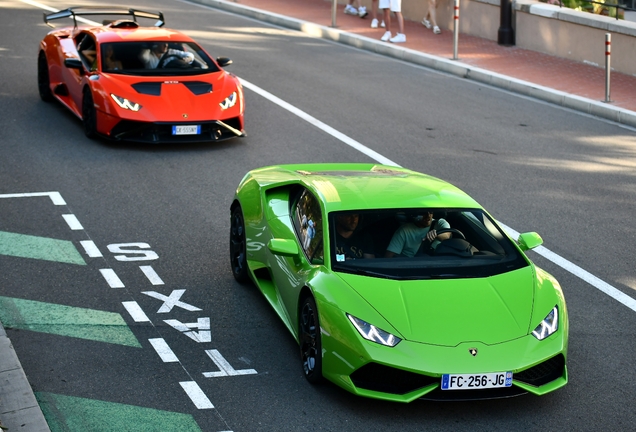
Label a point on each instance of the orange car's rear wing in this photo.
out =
(74, 12)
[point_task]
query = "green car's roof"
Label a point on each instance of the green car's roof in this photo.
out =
(345, 186)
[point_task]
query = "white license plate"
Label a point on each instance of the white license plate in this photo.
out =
(476, 381)
(186, 130)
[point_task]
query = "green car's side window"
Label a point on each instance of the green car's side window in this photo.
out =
(307, 218)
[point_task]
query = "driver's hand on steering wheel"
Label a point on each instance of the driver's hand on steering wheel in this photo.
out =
(431, 235)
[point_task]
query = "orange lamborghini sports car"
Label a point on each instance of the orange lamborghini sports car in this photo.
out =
(138, 83)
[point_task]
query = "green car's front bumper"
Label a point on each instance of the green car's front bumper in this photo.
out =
(412, 370)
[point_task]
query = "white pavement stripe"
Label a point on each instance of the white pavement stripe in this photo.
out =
(50, 9)
(91, 249)
(164, 351)
(320, 125)
(55, 196)
(112, 278)
(152, 276)
(135, 311)
(197, 396)
(577, 271)
(73, 222)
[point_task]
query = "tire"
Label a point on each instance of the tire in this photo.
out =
(44, 83)
(238, 247)
(89, 115)
(310, 342)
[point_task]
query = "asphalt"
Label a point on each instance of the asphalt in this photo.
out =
(573, 85)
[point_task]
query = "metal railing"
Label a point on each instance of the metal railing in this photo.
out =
(618, 7)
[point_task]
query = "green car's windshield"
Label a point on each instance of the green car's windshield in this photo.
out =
(400, 244)
(155, 59)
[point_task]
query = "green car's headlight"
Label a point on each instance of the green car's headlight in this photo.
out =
(372, 333)
(125, 103)
(229, 101)
(549, 325)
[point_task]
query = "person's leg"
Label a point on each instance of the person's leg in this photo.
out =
(400, 21)
(432, 4)
(387, 22)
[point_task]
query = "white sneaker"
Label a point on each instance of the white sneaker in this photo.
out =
(399, 38)
(362, 12)
(382, 24)
(426, 23)
(350, 10)
(436, 30)
(374, 23)
(386, 37)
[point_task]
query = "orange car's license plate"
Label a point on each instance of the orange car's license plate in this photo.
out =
(186, 130)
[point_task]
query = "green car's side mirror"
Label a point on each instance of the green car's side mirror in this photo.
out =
(283, 247)
(529, 240)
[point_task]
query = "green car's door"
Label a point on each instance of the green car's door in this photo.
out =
(292, 259)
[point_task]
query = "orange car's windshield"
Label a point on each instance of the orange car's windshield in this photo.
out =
(155, 58)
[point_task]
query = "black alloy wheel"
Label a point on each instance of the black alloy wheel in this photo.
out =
(44, 87)
(89, 115)
(310, 344)
(238, 249)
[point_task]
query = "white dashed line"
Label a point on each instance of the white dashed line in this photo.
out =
(163, 350)
(196, 395)
(152, 276)
(112, 278)
(91, 249)
(73, 222)
(135, 311)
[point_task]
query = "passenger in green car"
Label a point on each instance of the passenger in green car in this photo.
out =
(350, 242)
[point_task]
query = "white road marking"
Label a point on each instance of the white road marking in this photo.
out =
(51, 9)
(55, 196)
(73, 222)
(163, 350)
(577, 271)
(91, 249)
(320, 125)
(226, 368)
(135, 311)
(152, 276)
(112, 278)
(196, 395)
(203, 324)
(171, 301)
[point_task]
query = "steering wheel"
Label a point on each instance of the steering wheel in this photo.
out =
(450, 230)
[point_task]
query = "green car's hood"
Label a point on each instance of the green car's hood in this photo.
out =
(451, 311)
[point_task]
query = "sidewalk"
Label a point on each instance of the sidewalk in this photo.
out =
(571, 84)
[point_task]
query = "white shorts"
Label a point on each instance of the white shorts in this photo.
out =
(394, 5)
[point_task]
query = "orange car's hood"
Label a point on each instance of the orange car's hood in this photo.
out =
(170, 99)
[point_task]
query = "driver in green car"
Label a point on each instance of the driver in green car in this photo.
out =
(421, 233)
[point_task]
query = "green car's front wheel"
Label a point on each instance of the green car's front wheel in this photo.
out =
(238, 250)
(310, 344)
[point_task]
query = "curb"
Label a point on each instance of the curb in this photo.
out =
(453, 67)
(19, 410)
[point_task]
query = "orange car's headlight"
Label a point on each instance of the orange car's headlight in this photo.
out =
(125, 103)
(229, 101)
